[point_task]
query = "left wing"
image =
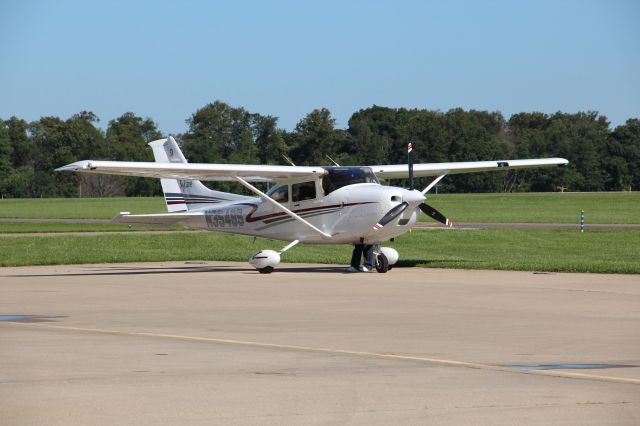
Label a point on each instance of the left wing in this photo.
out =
(398, 171)
(194, 171)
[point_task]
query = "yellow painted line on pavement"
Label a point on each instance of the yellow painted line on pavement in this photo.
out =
(440, 361)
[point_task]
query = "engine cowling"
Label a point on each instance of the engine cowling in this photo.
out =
(391, 254)
(265, 259)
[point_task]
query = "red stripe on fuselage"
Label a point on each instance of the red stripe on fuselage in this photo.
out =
(250, 218)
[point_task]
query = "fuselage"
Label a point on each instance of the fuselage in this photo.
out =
(348, 214)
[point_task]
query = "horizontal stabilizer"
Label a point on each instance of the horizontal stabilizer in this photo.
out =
(164, 219)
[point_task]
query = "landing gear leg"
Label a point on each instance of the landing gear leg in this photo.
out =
(293, 243)
(265, 261)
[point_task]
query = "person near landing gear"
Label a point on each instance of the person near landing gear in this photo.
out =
(358, 251)
(355, 258)
(368, 259)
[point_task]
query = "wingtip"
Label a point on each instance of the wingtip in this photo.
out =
(560, 162)
(78, 165)
(68, 168)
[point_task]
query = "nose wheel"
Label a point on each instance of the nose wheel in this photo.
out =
(382, 263)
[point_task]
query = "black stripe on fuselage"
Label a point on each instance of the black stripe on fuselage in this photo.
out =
(288, 219)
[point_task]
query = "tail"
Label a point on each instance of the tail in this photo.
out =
(181, 194)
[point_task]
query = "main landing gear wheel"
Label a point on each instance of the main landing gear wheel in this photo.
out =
(382, 264)
(266, 270)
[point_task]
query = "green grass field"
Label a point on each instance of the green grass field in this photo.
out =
(614, 251)
(532, 250)
(79, 208)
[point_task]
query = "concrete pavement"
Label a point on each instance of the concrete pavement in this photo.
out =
(218, 343)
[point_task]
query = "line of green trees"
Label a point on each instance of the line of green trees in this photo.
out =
(602, 159)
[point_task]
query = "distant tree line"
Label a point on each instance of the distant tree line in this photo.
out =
(602, 159)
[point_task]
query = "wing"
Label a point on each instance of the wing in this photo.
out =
(397, 171)
(193, 171)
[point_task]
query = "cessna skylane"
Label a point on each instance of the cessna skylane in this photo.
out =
(320, 205)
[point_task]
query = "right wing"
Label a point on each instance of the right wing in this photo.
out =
(400, 171)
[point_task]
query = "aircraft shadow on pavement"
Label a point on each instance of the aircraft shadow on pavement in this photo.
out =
(411, 263)
(143, 270)
(158, 270)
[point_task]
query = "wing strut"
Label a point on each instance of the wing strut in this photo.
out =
(280, 206)
(293, 243)
(432, 184)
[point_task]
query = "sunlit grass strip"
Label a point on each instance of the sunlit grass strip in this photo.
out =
(599, 207)
(603, 251)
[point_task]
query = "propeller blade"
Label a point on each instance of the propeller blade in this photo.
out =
(391, 214)
(435, 214)
(410, 163)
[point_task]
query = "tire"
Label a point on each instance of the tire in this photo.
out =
(382, 264)
(266, 270)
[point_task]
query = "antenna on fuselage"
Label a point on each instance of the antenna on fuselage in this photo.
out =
(288, 160)
(333, 161)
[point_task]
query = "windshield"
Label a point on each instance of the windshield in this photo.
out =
(279, 193)
(337, 177)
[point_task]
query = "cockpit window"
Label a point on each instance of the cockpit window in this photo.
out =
(279, 193)
(303, 191)
(337, 177)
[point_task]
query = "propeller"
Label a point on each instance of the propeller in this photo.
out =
(435, 214)
(426, 208)
(391, 214)
(410, 163)
(397, 210)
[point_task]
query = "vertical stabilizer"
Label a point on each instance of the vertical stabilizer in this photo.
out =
(181, 194)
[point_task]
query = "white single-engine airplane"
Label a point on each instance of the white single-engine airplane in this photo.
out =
(329, 205)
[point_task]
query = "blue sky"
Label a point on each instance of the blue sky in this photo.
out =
(165, 60)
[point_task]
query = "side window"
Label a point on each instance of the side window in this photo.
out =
(303, 191)
(280, 194)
